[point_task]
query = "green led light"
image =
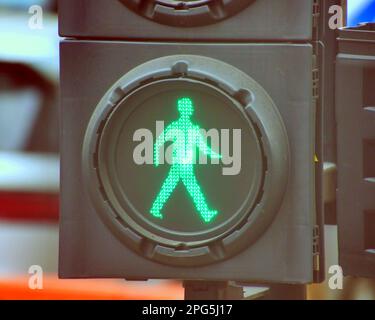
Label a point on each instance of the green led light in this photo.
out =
(186, 137)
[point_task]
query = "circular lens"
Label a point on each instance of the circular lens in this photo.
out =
(209, 151)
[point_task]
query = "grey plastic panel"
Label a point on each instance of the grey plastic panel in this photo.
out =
(263, 19)
(284, 253)
(328, 52)
(355, 112)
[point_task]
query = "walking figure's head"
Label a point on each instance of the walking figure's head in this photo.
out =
(185, 107)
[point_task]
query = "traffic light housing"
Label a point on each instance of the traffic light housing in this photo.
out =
(254, 67)
(98, 236)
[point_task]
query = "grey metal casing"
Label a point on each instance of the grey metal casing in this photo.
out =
(284, 253)
(263, 19)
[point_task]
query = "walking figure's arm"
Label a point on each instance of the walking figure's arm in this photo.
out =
(165, 136)
(206, 149)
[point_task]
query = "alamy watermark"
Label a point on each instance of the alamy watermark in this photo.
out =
(335, 282)
(336, 19)
(36, 277)
(36, 17)
(189, 147)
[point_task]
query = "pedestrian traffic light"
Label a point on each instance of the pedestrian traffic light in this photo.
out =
(191, 160)
(180, 210)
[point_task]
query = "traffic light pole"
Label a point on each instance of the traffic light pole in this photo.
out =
(215, 290)
(227, 290)
(286, 292)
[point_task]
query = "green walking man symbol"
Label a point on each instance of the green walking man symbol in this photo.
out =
(186, 136)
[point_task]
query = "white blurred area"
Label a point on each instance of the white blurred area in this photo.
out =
(25, 244)
(29, 172)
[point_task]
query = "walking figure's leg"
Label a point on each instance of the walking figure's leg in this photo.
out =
(191, 184)
(166, 190)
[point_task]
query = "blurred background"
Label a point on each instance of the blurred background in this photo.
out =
(29, 167)
(360, 11)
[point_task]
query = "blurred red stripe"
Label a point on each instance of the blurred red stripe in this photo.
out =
(29, 206)
(88, 289)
